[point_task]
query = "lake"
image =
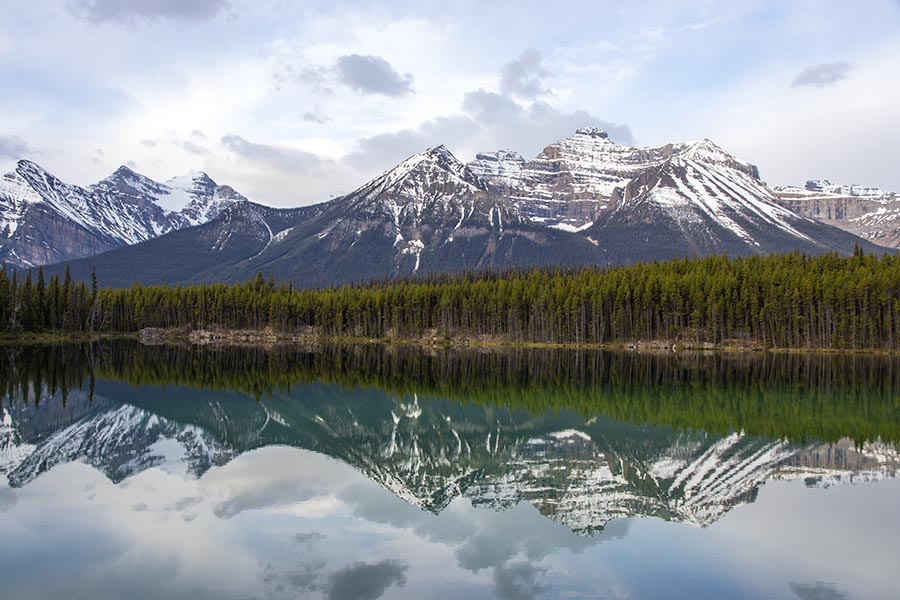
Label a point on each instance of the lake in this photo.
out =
(366, 472)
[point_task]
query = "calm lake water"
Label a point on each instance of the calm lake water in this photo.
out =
(368, 472)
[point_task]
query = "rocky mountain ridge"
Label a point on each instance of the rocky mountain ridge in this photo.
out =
(572, 181)
(869, 212)
(44, 220)
(583, 201)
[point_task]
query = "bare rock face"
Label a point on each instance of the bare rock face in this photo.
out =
(869, 212)
(44, 220)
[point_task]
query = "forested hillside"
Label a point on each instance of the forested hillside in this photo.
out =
(777, 301)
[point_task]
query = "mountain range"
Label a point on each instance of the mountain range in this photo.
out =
(583, 200)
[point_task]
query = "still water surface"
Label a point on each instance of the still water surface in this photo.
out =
(365, 472)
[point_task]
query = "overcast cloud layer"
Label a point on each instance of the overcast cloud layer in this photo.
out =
(292, 103)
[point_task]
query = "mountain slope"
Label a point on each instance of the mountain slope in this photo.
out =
(44, 220)
(205, 253)
(429, 214)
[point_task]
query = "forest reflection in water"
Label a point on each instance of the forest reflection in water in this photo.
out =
(823, 397)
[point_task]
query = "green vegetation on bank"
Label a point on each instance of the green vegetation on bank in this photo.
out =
(776, 301)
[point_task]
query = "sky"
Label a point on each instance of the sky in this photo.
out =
(293, 102)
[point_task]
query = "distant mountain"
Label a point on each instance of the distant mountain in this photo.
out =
(584, 200)
(869, 212)
(44, 220)
(429, 214)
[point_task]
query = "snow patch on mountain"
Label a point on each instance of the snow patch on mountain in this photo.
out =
(177, 197)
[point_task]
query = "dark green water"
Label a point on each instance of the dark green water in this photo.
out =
(367, 472)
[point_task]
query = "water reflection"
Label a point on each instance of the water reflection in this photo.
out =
(193, 466)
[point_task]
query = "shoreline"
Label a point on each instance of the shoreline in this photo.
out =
(200, 337)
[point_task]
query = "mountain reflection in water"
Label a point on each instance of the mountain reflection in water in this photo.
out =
(585, 437)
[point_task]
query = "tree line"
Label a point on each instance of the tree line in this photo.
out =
(776, 301)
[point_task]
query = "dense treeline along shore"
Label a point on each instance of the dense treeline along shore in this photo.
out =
(797, 396)
(776, 301)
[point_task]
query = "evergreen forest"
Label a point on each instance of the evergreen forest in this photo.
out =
(776, 301)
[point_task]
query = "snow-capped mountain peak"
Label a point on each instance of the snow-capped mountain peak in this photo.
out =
(32, 171)
(593, 132)
(130, 185)
(197, 197)
(44, 220)
(35, 184)
(569, 184)
(705, 151)
(195, 182)
(413, 178)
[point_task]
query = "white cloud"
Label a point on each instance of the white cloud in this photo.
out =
(381, 151)
(194, 148)
(281, 158)
(671, 71)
